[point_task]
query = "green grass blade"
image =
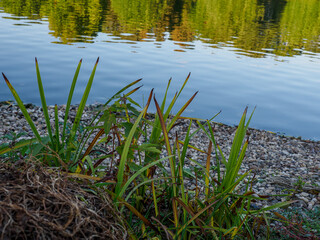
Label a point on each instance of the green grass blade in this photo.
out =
(237, 141)
(230, 188)
(186, 143)
(249, 120)
(236, 168)
(184, 196)
(18, 145)
(223, 159)
(154, 197)
(195, 217)
(135, 175)
(236, 154)
(166, 139)
(86, 135)
(184, 84)
(181, 111)
(217, 147)
(156, 131)
(173, 101)
(57, 127)
(83, 103)
(212, 139)
(274, 206)
(43, 102)
(140, 216)
(73, 84)
(23, 109)
(125, 154)
(116, 95)
(175, 98)
(165, 95)
(208, 170)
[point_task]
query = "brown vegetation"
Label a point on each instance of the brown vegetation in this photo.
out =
(40, 203)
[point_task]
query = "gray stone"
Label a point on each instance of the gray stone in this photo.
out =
(269, 154)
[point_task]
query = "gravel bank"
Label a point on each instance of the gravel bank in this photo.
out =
(279, 163)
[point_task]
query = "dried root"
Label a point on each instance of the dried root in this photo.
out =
(38, 203)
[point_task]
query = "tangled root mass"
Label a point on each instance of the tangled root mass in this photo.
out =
(36, 203)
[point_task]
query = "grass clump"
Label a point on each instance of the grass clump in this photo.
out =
(136, 160)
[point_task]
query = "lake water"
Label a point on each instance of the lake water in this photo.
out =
(239, 52)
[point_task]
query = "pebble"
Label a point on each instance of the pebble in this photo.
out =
(304, 199)
(268, 155)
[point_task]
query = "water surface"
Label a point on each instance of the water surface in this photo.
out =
(239, 52)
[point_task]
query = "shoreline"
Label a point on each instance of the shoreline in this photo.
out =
(279, 163)
(95, 105)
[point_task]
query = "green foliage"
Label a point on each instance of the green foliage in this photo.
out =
(157, 200)
(137, 148)
(299, 183)
(53, 149)
(13, 147)
(218, 211)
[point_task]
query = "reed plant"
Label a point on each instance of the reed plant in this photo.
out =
(165, 206)
(60, 147)
(158, 201)
(134, 149)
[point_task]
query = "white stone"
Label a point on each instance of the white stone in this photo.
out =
(306, 200)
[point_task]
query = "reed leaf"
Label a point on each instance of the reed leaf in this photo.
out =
(208, 169)
(44, 103)
(83, 103)
(143, 183)
(23, 109)
(56, 120)
(18, 145)
(122, 190)
(181, 111)
(139, 215)
(195, 216)
(79, 114)
(87, 133)
(277, 205)
(189, 210)
(167, 143)
(124, 155)
(71, 91)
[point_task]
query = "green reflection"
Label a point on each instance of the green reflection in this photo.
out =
(300, 26)
(139, 18)
(252, 27)
(30, 9)
(69, 20)
(233, 21)
(74, 20)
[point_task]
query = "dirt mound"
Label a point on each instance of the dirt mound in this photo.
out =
(38, 203)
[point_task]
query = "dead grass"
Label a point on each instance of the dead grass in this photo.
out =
(39, 203)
